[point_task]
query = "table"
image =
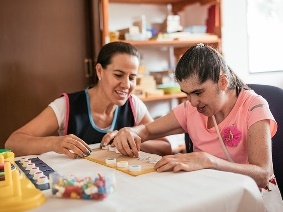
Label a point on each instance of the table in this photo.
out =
(204, 190)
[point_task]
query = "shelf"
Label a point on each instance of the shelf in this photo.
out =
(177, 5)
(185, 2)
(192, 39)
(164, 97)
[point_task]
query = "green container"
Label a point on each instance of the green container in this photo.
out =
(5, 150)
(169, 88)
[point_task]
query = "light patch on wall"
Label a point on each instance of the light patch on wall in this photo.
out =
(265, 33)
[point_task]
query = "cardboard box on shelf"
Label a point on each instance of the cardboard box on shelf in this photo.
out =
(146, 86)
(133, 30)
(155, 92)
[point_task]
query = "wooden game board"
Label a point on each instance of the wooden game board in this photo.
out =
(100, 155)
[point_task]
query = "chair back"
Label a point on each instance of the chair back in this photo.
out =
(274, 97)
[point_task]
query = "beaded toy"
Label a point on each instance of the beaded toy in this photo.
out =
(89, 188)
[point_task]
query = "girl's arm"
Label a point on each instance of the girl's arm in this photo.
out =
(160, 146)
(128, 140)
(259, 153)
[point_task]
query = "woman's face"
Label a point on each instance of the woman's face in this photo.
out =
(206, 97)
(118, 80)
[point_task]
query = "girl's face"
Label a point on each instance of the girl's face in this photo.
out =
(207, 97)
(118, 80)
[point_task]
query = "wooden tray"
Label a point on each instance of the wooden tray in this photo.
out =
(100, 155)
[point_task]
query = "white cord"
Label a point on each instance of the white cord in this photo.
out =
(221, 141)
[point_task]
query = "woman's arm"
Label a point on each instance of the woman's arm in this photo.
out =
(128, 140)
(259, 153)
(39, 136)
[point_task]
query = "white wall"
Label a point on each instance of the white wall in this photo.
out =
(122, 15)
(235, 44)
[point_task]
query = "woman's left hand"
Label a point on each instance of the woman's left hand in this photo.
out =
(186, 162)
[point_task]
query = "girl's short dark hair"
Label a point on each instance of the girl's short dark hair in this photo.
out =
(206, 63)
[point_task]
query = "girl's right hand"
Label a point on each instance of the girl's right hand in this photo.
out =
(108, 138)
(127, 142)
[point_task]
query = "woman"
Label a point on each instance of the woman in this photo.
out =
(93, 115)
(230, 125)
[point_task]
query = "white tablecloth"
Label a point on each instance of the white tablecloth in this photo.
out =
(204, 190)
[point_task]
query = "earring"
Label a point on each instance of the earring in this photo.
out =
(99, 78)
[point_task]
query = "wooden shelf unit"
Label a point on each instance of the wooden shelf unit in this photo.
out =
(177, 5)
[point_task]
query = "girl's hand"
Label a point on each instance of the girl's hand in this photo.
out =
(185, 162)
(127, 142)
(108, 138)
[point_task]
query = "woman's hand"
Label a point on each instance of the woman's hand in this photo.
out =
(127, 142)
(185, 162)
(72, 146)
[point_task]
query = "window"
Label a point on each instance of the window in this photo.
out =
(265, 35)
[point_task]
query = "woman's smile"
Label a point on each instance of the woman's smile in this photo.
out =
(122, 94)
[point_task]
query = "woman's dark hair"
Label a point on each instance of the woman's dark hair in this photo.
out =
(206, 63)
(111, 49)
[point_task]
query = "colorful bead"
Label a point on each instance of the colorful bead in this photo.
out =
(81, 188)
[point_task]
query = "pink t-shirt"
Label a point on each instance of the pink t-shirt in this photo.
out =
(249, 109)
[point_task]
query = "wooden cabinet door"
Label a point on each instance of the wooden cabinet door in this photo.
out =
(43, 45)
